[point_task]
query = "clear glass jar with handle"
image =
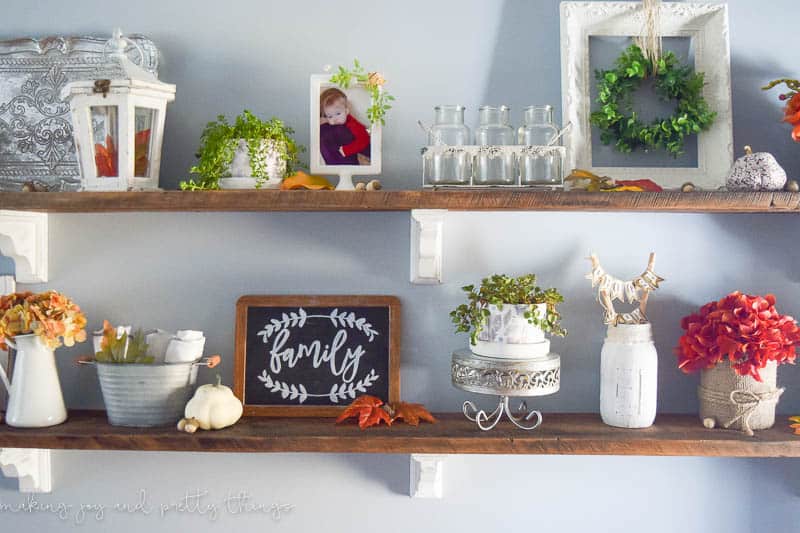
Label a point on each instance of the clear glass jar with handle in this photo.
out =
(539, 167)
(494, 166)
(450, 166)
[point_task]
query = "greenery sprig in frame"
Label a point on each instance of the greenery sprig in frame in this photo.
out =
(218, 145)
(374, 82)
(501, 289)
(618, 123)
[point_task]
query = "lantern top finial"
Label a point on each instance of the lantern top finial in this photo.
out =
(118, 43)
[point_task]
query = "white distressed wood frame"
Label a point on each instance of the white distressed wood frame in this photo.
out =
(707, 25)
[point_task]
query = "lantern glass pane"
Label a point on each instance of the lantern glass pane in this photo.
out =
(105, 134)
(145, 121)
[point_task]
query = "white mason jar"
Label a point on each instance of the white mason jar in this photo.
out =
(629, 376)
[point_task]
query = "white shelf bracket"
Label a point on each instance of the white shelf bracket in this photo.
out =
(427, 226)
(426, 475)
(23, 237)
(30, 466)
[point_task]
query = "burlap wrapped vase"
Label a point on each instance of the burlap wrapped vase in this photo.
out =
(731, 401)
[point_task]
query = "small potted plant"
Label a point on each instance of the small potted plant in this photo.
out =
(34, 325)
(737, 343)
(509, 317)
(249, 154)
(137, 390)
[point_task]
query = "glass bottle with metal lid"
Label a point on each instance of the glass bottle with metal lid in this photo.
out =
(493, 165)
(445, 166)
(538, 165)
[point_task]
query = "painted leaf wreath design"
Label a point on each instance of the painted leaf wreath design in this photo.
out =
(287, 320)
(350, 390)
(339, 391)
(345, 319)
(298, 319)
(287, 390)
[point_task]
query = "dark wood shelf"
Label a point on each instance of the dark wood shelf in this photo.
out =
(562, 434)
(461, 200)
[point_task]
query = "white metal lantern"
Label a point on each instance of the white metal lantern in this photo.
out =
(119, 123)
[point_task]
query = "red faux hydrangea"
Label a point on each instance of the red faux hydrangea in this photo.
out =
(746, 330)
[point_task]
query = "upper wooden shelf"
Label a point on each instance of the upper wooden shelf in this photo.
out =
(461, 200)
(562, 434)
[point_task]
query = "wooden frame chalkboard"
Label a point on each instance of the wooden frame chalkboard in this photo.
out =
(311, 355)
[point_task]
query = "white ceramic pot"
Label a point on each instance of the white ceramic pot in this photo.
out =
(508, 334)
(242, 175)
(34, 392)
(629, 376)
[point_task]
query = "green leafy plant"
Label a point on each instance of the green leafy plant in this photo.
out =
(380, 99)
(618, 123)
(124, 349)
(218, 144)
(501, 289)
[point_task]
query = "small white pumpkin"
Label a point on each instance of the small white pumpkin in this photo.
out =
(211, 407)
(756, 172)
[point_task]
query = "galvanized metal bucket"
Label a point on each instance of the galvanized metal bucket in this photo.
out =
(148, 395)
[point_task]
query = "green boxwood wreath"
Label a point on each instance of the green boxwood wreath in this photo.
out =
(618, 123)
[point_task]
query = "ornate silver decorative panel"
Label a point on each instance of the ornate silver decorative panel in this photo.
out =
(506, 377)
(36, 142)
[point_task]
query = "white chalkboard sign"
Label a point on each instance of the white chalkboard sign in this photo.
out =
(312, 355)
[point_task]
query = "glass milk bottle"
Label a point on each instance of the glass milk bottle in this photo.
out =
(539, 167)
(494, 166)
(628, 376)
(450, 167)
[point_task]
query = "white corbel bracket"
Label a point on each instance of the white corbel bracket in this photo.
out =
(426, 475)
(30, 466)
(23, 237)
(427, 226)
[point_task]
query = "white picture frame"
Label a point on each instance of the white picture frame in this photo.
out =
(707, 25)
(359, 98)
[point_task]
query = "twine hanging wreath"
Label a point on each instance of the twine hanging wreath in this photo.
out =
(619, 124)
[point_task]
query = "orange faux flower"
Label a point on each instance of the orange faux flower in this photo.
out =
(746, 331)
(50, 315)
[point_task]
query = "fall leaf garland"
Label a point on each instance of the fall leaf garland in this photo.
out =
(371, 411)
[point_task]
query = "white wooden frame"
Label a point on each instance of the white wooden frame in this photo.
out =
(707, 25)
(345, 172)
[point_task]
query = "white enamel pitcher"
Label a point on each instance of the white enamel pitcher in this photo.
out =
(34, 394)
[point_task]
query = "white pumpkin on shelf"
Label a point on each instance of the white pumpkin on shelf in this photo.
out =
(757, 171)
(211, 407)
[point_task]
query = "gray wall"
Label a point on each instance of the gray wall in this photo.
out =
(187, 270)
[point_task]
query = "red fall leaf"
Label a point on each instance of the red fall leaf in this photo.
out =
(368, 411)
(411, 413)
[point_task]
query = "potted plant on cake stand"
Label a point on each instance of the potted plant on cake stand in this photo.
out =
(507, 319)
(737, 344)
(249, 154)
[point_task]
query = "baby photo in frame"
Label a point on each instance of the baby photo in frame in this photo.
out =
(343, 141)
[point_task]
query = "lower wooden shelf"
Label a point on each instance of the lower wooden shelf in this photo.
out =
(562, 434)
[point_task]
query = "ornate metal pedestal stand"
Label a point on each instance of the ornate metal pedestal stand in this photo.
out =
(506, 378)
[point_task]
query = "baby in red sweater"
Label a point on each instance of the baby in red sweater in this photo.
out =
(335, 111)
